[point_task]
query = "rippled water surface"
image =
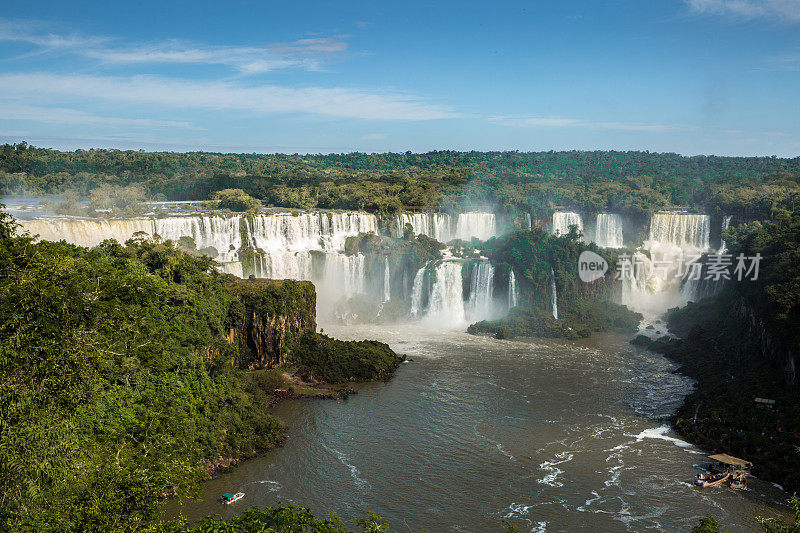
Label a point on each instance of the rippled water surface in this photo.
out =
(550, 435)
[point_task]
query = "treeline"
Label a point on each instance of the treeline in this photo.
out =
(631, 183)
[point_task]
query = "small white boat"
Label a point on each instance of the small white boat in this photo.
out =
(229, 498)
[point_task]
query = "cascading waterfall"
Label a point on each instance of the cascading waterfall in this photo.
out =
(562, 220)
(726, 223)
(653, 283)
(387, 287)
(482, 226)
(512, 289)
(310, 246)
(553, 293)
(416, 293)
(221, 234)
(444, 228)
(481, 300)
(345, 273)
(608, 231)
(434, 225)
(680, 230)
(446, 302)
(86, 232)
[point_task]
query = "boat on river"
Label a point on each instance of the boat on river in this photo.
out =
(229, 498)
(711, 480)
(725, 468)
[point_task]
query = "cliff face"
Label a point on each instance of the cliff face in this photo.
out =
(772, 347)
(268, 316)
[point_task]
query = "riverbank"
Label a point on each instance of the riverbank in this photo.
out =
(714, 348)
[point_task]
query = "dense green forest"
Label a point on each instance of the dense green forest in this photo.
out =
(631, 183)
(119, 383)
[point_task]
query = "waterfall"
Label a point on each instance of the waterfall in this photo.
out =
(345, 273)
(563, 220)
(481, 301)
(726, 222)
(553, 295)
(482, 226)
(528, 221)
(416, 292)
(681, 230)
(221, 234)
(434, 225)
(284, 265)
(446, 303)
(512, 289)
(608, 231)
(387, 288)
(86, 232)
(443, 228)
(308, 231)
(660, 270)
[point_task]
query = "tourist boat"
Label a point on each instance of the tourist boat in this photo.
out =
(229, 498)
(711, 479)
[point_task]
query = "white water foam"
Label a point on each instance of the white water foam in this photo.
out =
(550, 466)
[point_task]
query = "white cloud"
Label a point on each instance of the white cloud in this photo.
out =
(61, 115)
(310, 53)
(561, 122)
(373, 136)
(220, 95)
(780, 10)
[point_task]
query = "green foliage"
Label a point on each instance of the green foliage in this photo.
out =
(115, 382)
(275, 519)
(775, 525)
(709, 524)
(235, 200)
(631, 183)
(321, 358)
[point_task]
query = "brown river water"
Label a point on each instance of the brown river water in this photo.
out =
(549, 435)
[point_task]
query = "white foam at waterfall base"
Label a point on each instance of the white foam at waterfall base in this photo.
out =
(562, 220)
(608, 231)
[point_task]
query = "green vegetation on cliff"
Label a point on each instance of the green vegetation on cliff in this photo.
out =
(537, 257)
(118, 384)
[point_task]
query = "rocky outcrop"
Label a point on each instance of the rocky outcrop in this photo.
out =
(268, 316)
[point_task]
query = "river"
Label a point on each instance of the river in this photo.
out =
(549, 435)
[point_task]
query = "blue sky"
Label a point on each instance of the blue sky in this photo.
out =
(688, 76)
